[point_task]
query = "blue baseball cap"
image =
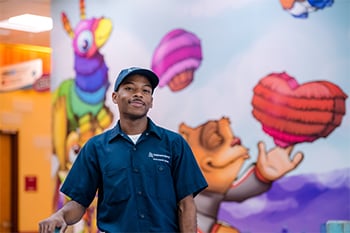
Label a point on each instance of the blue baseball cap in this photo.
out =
(150, 75)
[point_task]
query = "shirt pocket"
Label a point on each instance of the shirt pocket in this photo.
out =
(164, 183)
(116, 186)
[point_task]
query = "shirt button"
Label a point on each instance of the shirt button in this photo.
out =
(160, 168)
(139, 192)
(136, 170)
(142, 216)
(134, 148)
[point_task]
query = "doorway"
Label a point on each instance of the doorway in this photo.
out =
(8, 181)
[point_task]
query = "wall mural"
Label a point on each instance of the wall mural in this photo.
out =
(79, 109)
(291, 114)
(259, 96)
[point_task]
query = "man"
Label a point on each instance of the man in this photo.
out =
(146, 176)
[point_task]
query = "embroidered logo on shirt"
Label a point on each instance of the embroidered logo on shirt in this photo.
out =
(158, 157)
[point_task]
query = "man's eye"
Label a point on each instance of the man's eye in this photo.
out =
(147, 91)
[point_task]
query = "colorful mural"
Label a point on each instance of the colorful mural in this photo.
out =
(260, 96)
(79, 109)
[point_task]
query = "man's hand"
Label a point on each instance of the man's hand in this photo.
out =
(277, 162)
(52, 224)
(69, 214)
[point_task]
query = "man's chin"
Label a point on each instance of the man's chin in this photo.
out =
(137, 116)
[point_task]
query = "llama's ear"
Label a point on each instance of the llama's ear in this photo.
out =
(66, 25)
(82, 9)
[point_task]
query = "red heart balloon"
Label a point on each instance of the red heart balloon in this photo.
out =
(293, 113)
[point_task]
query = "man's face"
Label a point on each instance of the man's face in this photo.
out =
(134, 97)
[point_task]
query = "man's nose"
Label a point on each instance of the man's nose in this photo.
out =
(138, 92)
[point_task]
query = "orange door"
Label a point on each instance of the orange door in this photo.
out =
(8, 181)
(5, 184)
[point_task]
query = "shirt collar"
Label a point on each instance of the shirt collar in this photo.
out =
(152, 128)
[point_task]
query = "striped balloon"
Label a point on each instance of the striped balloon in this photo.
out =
(293, 113)
(178, 55)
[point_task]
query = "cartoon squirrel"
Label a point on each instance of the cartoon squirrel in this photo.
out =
(220, 156)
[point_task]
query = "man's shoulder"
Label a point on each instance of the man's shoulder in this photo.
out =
(168, 131)
(164, 132)
(103, 136)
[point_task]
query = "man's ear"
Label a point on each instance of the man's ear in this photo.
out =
(115, 97)
(151, 103)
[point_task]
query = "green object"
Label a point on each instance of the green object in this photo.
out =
(338, 226)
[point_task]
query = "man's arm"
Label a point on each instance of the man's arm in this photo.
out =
(69, 214)
(187, 215)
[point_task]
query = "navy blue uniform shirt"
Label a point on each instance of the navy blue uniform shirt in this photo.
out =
(139, 185)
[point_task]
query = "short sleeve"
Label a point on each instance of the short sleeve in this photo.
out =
(188, 177)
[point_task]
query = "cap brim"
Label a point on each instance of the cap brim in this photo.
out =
(150, 75)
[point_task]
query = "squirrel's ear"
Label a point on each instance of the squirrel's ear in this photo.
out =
(184, 130)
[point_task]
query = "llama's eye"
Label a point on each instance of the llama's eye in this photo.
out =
(84, 41)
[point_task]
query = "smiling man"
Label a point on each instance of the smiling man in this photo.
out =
(139, 170)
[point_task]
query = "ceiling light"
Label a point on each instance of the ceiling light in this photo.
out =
(28, 23)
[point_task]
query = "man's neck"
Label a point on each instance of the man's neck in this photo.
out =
(132, 126)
